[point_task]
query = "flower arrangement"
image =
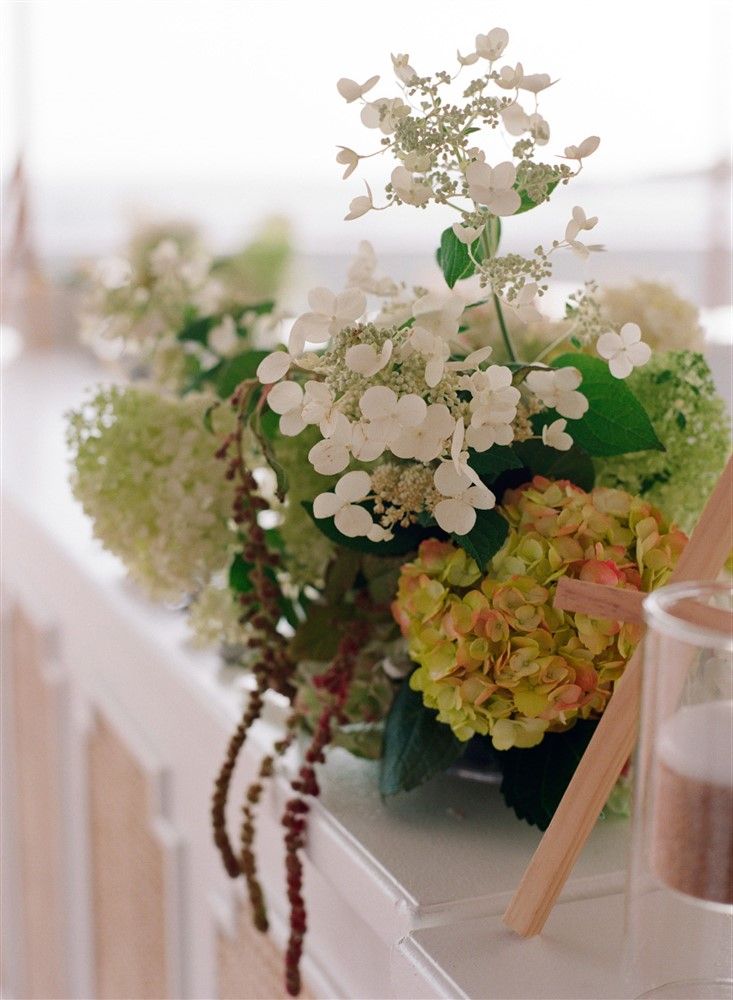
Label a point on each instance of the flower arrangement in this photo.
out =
(400, 488)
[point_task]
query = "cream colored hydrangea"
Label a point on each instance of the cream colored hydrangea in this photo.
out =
(145, 473)
(667, 321)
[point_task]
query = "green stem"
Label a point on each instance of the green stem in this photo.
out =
(486, 244)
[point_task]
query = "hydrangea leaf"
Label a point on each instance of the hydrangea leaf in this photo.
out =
(528, 203)
(318, 637)
(534, 780)
(416, 746)
(236, 370)
(454, 259)
(405, 539)
(485, 538)
(574, 464)
(491, 463)
(239, 571)
(615, 423)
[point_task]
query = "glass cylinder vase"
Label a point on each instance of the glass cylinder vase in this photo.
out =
(679, 926)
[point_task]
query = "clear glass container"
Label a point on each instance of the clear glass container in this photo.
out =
(679, 914)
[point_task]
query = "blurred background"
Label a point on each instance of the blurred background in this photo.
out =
(225, 113)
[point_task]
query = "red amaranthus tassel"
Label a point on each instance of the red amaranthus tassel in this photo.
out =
(336, 681)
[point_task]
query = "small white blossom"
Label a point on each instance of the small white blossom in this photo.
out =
(361, 273)
(555, 387)
(409, 189)
(471, 361)
(435, 349)
(578, 223)
(440, 314)
(113, 273)
(493, 186)
(343, 504)
(274, 367)
(402, 68)
(333, 454)
(493, 407)
(539, 129)
(535, 82)
(379, 534)
(624, 350)
(554, 436)
(286, 399)
(515, 118)
(468, 60)
(426, 441)
(524, 304)
(511, 77)
(328, 316)
(388, 414)
(363, 448)
(223, 338)
(587, 146)
(318, 408)
(492, 45)
(360, 205)
(457, 513)
(364, 359)
(349, 159)
(351, 91)
(384, 114)
(466, 234)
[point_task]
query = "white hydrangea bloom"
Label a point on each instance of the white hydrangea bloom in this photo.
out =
(510, 77)
(274, 367)
(493, 186)
(624, 350)
(384, 114)
(364, 359)
(468, 60)
(493, 407)
(349, 159)
(410, 189)
(466, 234)
(579, 222)
(343, 504)
(333, 454)
(352, 91)
(223, 338)
(555, 436)
(328, 316)
(535, 82)
(402, 68)
(492, 45)
(586, 147)
(457, 513)
(524, 305)
(440, 314)
(360, 205)
(435, 349)
(425, 442)
(113, 273)
(388, 414)
(556, 388)
(361, 273)
(515, 118)
(286, 399)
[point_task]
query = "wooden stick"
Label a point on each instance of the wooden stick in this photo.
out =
(613, 741)
(621, 605)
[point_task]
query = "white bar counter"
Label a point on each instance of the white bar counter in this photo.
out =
(113, 731)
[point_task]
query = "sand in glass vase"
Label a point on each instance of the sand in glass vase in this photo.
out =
(680, 889)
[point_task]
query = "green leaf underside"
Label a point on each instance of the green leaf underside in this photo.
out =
(491, 463)
(485, 538)
(575, 464)
(615, 423)
(454, 259)
(416, 746)
(405, 539)
(534, 780)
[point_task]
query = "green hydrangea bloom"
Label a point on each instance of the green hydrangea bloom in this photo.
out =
(677, 391)
(145, 473)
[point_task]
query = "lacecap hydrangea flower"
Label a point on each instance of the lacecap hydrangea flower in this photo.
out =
(145, 473)
(494, 656)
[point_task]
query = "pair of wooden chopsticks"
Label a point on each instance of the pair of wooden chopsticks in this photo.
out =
(613, 741)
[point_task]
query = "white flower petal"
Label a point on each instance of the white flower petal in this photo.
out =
(292, 423)
(326, 505)
(567, 378)
(434, 371)
(411, 410)
(639, 354)
(353, 486)
(620, 366)
(353, 521)
(285, 396)
(449, 482)
(311, 326)
(504, 203)
(329, 457)
(609, 344)
(455, 516)
(630, 333)
(480, 497)
(378, 401)
(274, 367)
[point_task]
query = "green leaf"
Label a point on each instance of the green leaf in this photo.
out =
(615, 422)
(527, 203)
(575, 464)
(416, 746)
(485, 538)
(318, 637)
(405, 539)
(490, 464)
(198, 329)
(362, 739)
(454, 259)
(493, 228)
(239, 571)
(235, 370)
(265, 442)
(535, 779)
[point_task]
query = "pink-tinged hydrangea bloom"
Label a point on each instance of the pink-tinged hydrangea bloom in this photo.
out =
(494, 656)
